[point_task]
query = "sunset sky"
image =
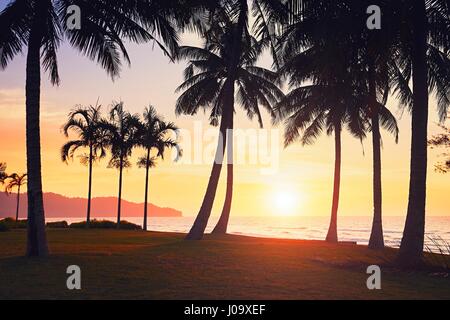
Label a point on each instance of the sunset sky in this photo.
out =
(303, 176)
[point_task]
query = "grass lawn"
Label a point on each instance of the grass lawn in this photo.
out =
(149, 265)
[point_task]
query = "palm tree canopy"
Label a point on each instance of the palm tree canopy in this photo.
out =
(212, 66)
(142, 162)
(152, 132)
(15, 180)
(121, 134)
(326, 60)
(85, 122)
(104, 27)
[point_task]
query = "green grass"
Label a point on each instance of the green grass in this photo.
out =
(120, 264)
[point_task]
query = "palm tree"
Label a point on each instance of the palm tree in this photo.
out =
(16, 180)
(308, 110)
(40, 25)
(327, 92)
(84, 121)
(152, 134)
(429, 45)
(121, 131)
(227, 62)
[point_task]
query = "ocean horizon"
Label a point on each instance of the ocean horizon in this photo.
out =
(350, 228)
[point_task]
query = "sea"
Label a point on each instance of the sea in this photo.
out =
(355, 229)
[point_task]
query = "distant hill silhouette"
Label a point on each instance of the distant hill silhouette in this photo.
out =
(58, 206)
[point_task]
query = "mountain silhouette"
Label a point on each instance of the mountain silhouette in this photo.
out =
(59, 206)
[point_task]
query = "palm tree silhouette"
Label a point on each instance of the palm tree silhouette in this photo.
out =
(326, 94)
(428, 43)
(40, 25)
(85, 122)
(152, 134)
(122, 137)
(226, 62)
(16, 180)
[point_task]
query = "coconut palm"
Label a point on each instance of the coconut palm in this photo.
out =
(225, 64)
(152, 135)
(16, 180)
(40, 26)
(322, 47)
(407, 25)
(121, 138)
(429, 44)
(309, 110)
(84, 121)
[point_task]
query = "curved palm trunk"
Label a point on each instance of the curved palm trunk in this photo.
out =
(18, 203)
(376, 240)
(200, 223)
(332, 230)
(119, 199)
(88, 214)
(147, 168)
(222, 224)
(36, 238)
(411, 248)
(198, 229)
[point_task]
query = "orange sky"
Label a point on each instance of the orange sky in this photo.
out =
(303, 172)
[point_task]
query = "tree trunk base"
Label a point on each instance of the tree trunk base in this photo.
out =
(192, 236)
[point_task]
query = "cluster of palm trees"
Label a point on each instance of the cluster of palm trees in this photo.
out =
(120, 133)
(340, 75)
(12, 181)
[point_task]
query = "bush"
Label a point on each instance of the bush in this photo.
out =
(129, 226)
(11, 223)
(105, 224)
(58, 224)
(4, 227)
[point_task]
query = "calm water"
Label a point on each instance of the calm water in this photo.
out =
(301, 227)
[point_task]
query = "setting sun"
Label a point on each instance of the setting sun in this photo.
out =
(285, 202)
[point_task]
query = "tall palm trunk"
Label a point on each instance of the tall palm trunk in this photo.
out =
(36, 238)
(376, 240)
(88, 215)
(200, 223)
(332, 230)
(18, 203)
(147, 169)
(119, 199)
(198, 229)
(411, 248)
(222, 224)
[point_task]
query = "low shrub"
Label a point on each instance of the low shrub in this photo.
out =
(58, 224)
(4, 227)
(129, 226)
(11, 223)
(105, 224)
